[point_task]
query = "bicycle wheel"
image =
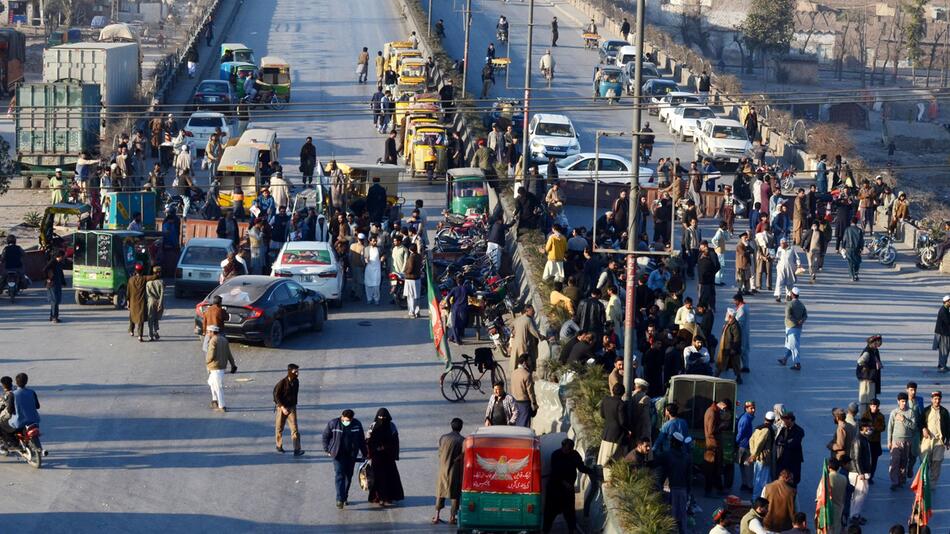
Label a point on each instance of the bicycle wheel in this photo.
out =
(498, 375)
(455, 383)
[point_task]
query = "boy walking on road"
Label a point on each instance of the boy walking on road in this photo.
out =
(285, 398)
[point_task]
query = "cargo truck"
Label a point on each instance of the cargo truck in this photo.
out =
(12, 58)
(55, 123)
(115, 67)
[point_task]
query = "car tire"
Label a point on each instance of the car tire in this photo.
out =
(81, 298)
(118, 299)
(316, 322)
(179, 292)
(275, 336)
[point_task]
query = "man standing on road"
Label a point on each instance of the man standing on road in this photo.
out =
(285, 399)
(559, 498)
(524, 338)
(707, 266)
(853, 243)
(216, 360)
(786, 265)
(502, 409)
(901, 430)
(936, 434)
(308, 159)
(713, 425)
(625, 30)
(745, 328)
(744, 429)
(942, 335)
(344, 441)
(449, 484)
(522, 389)
(788, 447)
(138, 301)
(488, 78)
(362, 64)
(615, 426)
(155, 300)
(781, 497)
(556, 249)
(795, 317)
(55, 281)
(214, 315)
(554, 31)
(356, 267)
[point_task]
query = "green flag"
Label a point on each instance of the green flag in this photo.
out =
(436, 325)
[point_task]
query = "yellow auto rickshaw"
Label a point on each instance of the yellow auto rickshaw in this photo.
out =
(401, 54)
(412, 123)
(412, 71)
(275, 74)
(390, 48)
(428, 148)
(404, 95)
(359, 178)
(239, 177)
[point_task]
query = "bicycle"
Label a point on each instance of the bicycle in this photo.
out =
(456, 382)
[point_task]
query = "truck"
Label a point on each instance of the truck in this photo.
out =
(12, 59)
(55, 123)
(115, 67)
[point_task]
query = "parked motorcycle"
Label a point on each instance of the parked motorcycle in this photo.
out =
(28, 446)
(498, 331)
(13, 283)
(926, 248)
(397, 283)
(881, 246)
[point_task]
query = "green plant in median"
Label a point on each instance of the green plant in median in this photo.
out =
(585, 392)
(639, 505)
(32, 219)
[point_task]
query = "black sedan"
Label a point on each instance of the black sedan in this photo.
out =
(265, 309)
(214, 95)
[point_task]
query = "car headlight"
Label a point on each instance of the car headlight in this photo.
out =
(575, 145)
(536, 145)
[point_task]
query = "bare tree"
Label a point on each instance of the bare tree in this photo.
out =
(933, 52)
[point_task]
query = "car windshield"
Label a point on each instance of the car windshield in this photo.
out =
(568, 161)
(204, 256)
(611, 77)
(698, 113)
(425, 138)
(205, 122)
(212, 87)
(612, 46)
(676, 100)
(305, 257)
(236, 292)
(730, 132)
(663, 88)
(554, 130)
(473, 188)
(648, 70)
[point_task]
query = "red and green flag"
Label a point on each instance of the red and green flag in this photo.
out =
(824, 508)
(923, 507)
(436, 325)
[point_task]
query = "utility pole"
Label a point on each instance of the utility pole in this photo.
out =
(629, 323)
(946, 44)
(429, 21)
(525, 146)
(467, 13)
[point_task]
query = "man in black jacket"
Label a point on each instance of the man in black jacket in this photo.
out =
(525, 209)
(859, 470)
(942, 335)
(615, 427)
(344, 442)
(559, 498)
(308, 159)
(285, 400)
(390, 154)
(591, 315)
(706, 268)
(376, 201)
(788, 447)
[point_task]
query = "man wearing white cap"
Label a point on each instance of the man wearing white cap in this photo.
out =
(786, 263)
(795, 317)
(58, 186)
(760, 454)
(216, 360)
(942, 335)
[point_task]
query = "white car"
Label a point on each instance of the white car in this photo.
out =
(671, 101)
(314, 265)
(201, 125)
(552, 135)
(724, 141)
(684, 120)
(613, 169)
(625, 54)
(647, 72)
(199, 266)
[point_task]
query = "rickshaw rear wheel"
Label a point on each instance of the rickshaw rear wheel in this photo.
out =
(118, 299)
(81, 298)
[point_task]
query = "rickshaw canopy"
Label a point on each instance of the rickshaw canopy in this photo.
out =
(466, 189)
(240, 51)
(49, 215)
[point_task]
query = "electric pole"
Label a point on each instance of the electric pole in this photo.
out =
(525, 146)
(468, 25)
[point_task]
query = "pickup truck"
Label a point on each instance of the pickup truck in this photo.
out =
(724, 141)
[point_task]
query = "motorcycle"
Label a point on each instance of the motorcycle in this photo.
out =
(926, 248)
(28, 446)
(498, 331)
(397, 283)
(264, 98)
(881, 247)
(502, 35)
(12, 285)
(646, 151)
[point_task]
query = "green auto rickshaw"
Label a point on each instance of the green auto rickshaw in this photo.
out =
(275, 75)
(466, 191)
(103, 261)
(236, 52)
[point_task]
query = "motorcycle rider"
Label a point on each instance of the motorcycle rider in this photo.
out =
(546, 64)
(440, 29)
(646, 142)
(502, 29)
(6, 411)
(13, 257)
(250, 87)
(26, 405)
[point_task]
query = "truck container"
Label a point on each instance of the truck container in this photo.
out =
(55, 123)
(115, 67)
(12, 58)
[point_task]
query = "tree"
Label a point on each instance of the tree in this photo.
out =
(769, 26)
(914, 29)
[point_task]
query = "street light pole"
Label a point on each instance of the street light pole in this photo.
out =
(429, 20)
(525, 146)
(629, 324)
(467, 13)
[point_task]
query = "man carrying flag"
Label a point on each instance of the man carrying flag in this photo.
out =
(923, 507)
(829, 503)
(436, 325)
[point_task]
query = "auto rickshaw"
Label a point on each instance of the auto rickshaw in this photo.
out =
(404, 95)
(234, 72)
(591, 40)
(103, 261)
(390, 48)
(123, 205)
(466, 191)
(408, 134)
(428, 148)
(275, 75)
(239, 52)
(501, 481)
(400, 54)
(239, 176)
(412, 71)
(694, 394)
(359, 178)
(610, 84)
(49, 239)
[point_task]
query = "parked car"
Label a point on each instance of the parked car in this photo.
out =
(672, 100)
(613, 169)
(608, 50)
(213, 95)
(647, 72)
(625, 54)
(552, 135)
(265, 309)
(199, 265)
(724, 141)
(201, 125)
(653, 92)
(314, 265)
(684, 120)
